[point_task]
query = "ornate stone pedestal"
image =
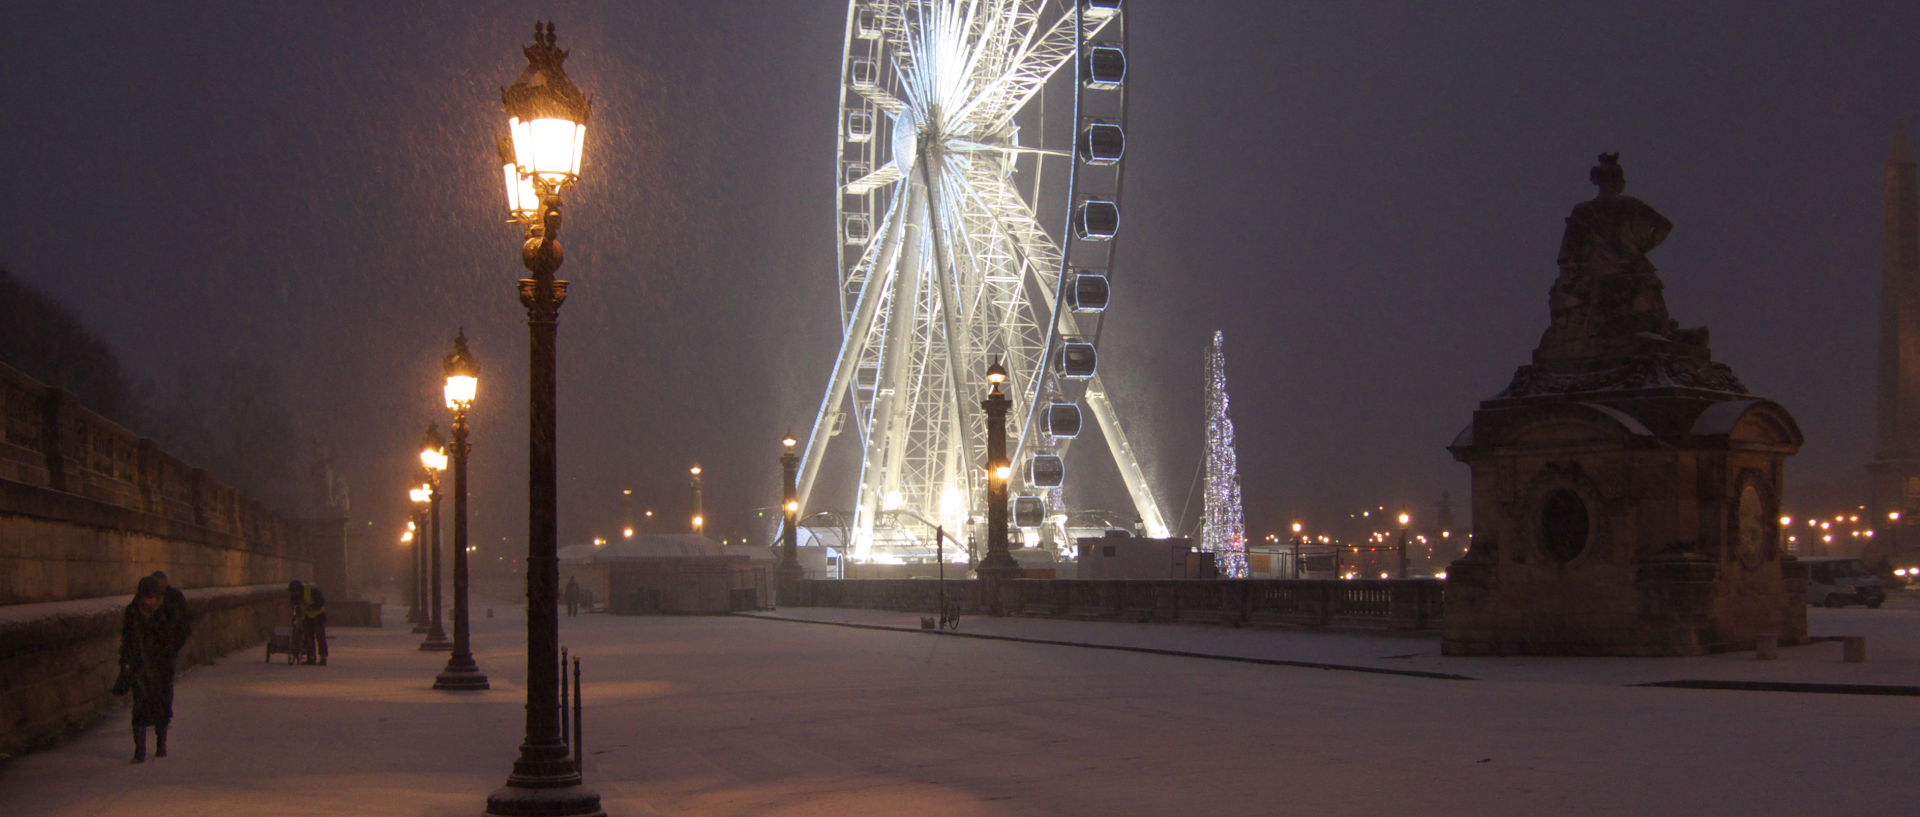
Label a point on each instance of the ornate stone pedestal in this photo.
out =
(1626, 488)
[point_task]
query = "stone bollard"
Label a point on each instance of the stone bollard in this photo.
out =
(1854, 649)
(1766, 647)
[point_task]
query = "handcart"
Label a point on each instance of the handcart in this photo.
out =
(286, 640)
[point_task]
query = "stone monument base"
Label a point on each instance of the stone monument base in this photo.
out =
(1639, 522)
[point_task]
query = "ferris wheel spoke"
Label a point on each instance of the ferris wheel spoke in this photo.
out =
(1031, 70)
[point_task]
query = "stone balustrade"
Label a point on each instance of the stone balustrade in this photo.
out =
(87, 507)
(1364, 604)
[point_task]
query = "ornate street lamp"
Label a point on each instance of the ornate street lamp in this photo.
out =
(699, 509)
(1404, 519)
(998, 563)
(547, 120)
(433, 458)
(790, 572)
(463, 381)
(422, 496)
(413, 593)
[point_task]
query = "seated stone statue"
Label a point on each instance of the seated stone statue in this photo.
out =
(1607, 287)
(1613, 233)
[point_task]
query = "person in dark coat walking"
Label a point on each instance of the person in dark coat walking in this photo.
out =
(572, 596)
(174, 604)
(146, 664)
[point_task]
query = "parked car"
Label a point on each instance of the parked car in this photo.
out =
(1840, 582)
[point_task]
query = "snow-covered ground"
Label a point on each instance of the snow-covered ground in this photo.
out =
(726, 716)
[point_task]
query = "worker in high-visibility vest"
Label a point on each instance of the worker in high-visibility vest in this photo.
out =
(310, 607)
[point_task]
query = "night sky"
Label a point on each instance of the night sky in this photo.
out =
(1365, 196)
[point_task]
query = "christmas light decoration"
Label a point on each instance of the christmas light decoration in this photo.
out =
(1223, 530)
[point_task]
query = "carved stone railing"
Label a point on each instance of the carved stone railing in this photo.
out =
(1366, 604)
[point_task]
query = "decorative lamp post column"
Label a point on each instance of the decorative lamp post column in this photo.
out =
(410, 539)
(699, 511)
(433, 456)
(998, 563)
(626, 512)
(422, 496)
(547, 119)
(463, 381)
(1404, 519)
(790, 572)
(1296, 550)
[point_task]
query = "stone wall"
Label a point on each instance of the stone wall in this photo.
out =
(58, 660)
(88, 507)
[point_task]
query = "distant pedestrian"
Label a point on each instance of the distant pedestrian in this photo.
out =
(146, 667)
(174, 604)
(573, 597)
(310, 610)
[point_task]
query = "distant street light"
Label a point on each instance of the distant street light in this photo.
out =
(1296, 550)
(1404, 519)
(433, 457)
(463, 383)
(413, 587)
(998, 563)
(790, 573)
(547, 119)
(421, 496)
(699, 512)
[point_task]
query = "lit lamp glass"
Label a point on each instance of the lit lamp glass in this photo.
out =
(421, 495)
(788, 441)
(996, 374)
(549, 147)
(460, 390)
(547, 117)
(1003, 472)
(406, 537)
(1404, 519)
(793, 506)
(523, 198)
(627, 533)
(696, 470)
(435, 459)
(463, 375)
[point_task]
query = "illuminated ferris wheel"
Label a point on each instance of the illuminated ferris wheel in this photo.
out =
(948, 170)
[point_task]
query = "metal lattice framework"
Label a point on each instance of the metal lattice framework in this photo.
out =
(945, 167)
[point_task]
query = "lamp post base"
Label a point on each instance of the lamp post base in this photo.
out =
(420, 628)
(998, 566)
(567, 801)
(461, 674)
(787, 578)
(995, 570)
(436, 641)
(461, 680)
(544, 783)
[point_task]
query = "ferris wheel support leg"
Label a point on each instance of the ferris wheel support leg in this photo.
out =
(890, 411)
(839, 384)
(1126, 460)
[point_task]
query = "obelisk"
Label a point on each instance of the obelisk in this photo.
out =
(1896, 459)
